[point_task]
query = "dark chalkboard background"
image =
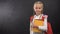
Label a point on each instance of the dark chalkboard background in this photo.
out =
(15, 14)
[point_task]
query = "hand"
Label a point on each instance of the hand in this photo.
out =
(35, 26)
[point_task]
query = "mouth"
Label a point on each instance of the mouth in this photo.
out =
(38, 11)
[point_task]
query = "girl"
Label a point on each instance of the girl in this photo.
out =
(38, 22)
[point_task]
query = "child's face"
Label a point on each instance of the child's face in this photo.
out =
(38, 8)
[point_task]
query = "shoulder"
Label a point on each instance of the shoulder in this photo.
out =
(31, 17)
(45, 16)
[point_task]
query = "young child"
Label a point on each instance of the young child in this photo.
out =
(38, 22)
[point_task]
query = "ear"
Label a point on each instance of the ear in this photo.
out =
(33, 7)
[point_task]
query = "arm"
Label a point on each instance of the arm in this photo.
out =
(31, 32)
(49, 31)
(30, 25)
(31, 19)
(44, 28)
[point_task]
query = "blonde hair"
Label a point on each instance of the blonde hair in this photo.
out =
(38, 2)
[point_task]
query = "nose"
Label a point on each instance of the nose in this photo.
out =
(37, 9)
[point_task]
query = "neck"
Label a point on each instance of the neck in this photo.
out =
(38, 14)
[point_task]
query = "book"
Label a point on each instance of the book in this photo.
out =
(38, 22)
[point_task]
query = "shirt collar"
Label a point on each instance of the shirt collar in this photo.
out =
(38, 15)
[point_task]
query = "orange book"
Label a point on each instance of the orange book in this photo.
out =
(38, 22)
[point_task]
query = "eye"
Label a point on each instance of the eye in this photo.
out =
(36, 7)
